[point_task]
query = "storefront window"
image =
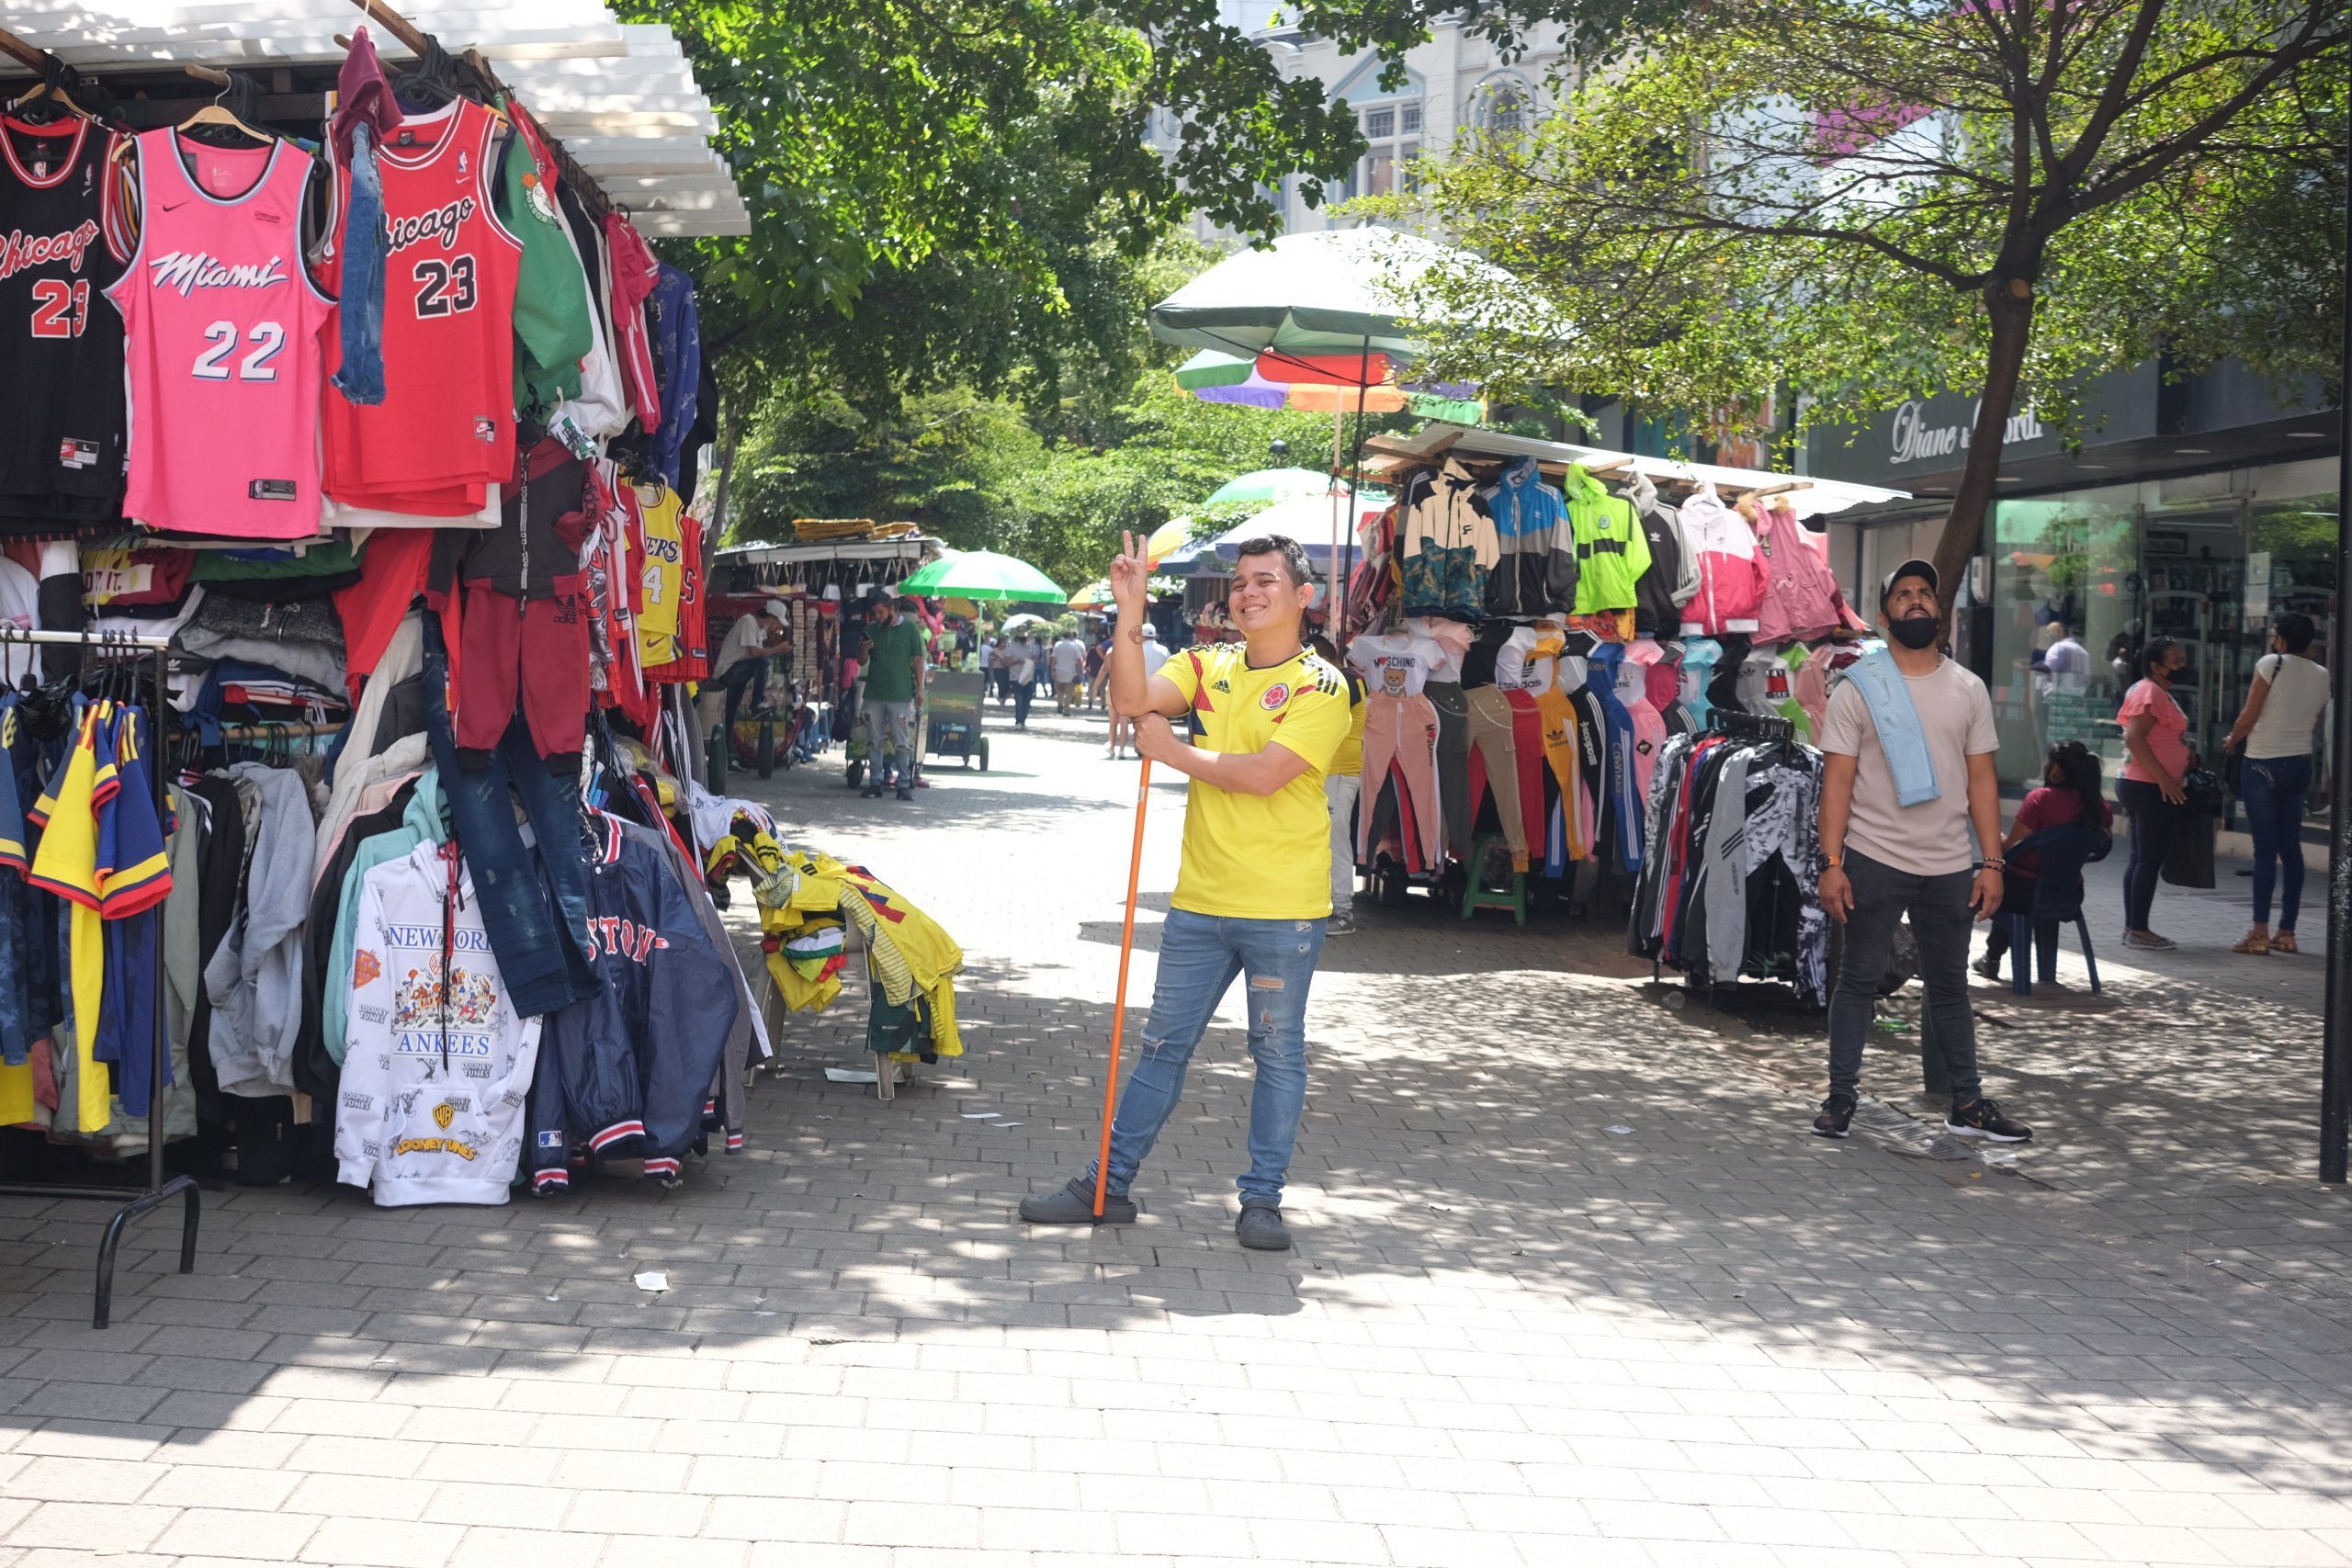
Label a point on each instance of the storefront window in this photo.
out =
(2080, 580)
(2063, 620)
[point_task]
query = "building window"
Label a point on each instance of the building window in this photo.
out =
(1394, 132)
(1506, 106)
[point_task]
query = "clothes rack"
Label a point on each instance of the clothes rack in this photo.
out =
(158, 1190)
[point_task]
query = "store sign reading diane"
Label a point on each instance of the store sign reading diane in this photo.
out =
(1914, 440)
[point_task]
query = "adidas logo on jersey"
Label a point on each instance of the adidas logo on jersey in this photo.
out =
(188, 270)
(1222, 685)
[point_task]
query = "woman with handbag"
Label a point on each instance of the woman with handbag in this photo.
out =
(2282, 710)
(2150, 792)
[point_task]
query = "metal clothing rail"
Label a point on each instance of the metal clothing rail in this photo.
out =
(158, 1190)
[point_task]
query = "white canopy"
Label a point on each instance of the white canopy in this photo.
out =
(619, 96)
(1807, 497)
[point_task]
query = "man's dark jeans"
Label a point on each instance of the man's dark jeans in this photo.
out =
(534, 903)
(749, 673)
(1941, 920)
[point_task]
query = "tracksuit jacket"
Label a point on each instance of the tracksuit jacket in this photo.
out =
(630, 1071)
(1535, 573)
(436, 1063)
(1731, 574)
(1612, 551)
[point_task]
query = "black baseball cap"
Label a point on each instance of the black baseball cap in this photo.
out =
(1914, 567)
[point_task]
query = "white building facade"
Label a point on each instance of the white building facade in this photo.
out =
(1456, 80)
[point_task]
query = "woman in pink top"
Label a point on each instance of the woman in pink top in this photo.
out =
(2155, 738)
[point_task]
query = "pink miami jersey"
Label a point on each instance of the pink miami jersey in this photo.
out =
(221, 328)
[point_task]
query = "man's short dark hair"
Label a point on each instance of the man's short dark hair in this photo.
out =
(2297, 631)
(1293, 555)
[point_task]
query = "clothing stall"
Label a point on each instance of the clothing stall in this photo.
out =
(354, 395)
(1549, 636)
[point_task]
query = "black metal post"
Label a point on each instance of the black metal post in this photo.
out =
(2335, 1063)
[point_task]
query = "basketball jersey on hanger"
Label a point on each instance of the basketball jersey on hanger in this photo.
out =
(221, 324)
(662, 581)
(60, 344)
(445, 428)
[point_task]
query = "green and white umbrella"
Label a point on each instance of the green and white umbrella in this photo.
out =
(1266, 487)
(984, 574)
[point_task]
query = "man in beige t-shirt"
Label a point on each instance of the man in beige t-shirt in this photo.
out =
(1937, 859)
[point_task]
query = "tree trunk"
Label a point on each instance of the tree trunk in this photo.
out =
(734, 422)
(2010, 304)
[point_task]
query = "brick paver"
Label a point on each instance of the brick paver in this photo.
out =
(1573, 1284)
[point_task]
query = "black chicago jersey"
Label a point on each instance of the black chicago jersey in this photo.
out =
(61, 442)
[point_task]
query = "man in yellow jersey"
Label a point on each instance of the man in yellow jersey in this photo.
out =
(1253, 892)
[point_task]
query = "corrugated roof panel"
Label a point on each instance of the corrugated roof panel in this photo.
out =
(621, 96)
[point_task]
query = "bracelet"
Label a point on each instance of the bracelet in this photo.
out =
(1997, 863)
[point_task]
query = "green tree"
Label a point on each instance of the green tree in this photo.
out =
(976, 471)
(1862, 201)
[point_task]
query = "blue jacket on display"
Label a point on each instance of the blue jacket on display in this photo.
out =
(628, 1071)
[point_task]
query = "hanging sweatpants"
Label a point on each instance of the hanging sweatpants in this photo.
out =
(1494, 763)
(1559, 717)
(1403, 730)
(1460, 811)
(1527, 749)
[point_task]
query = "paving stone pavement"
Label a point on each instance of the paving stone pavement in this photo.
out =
(1573, 1286)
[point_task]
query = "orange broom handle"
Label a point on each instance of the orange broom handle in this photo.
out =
(1119, 1006)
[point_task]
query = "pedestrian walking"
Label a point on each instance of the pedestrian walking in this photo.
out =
(2283, 707)
(895, 646)
(1342, 784)
(2155, 743)
(1068, 659)
(1253, 891)
(1022, 657)
(1098, 670)
(2070, 792)
(1908, 796)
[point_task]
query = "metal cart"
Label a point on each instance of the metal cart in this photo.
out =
(952, 729)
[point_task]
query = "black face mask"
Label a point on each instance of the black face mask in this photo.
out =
(1914, 632)
(2184, 676)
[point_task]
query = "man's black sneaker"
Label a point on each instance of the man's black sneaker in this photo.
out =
(1982, 1118)
(905, 792)
(1837, 1118)
(1074, 1205)
(1988, 966)
(871, 792)
(1260, 1228)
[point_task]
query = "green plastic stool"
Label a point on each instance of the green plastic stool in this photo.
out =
(1475, 893)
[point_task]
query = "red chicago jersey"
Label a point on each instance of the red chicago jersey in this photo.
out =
(445, 428)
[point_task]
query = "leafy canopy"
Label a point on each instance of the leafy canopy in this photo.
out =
(1840, 198)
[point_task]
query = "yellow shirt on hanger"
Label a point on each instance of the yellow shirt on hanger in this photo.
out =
(662, 576)
(66, 863)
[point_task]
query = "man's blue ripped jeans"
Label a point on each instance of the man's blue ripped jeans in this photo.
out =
(1199, 956)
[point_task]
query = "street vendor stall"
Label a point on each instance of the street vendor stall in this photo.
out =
(352, 598)
(1559, 646)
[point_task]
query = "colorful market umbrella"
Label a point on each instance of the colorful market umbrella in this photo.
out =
(983, 574)
(1166, 540)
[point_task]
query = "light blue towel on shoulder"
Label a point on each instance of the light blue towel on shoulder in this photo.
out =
(1888, 697)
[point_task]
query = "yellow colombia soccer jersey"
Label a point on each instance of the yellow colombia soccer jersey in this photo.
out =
(1260, 857)
(661, 579)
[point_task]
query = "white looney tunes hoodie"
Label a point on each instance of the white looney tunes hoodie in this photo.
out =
(437, 1069)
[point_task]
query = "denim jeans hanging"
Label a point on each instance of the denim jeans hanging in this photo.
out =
(361, 378)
